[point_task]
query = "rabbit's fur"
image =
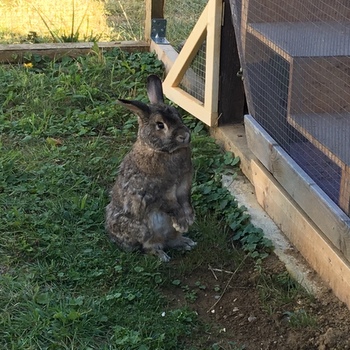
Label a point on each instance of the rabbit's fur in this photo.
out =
(150, 204)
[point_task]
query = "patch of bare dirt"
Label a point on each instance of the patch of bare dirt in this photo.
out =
(231, 303)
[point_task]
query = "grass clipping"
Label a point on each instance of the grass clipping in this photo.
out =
(45, 18)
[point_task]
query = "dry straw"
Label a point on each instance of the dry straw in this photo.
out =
(45, 17)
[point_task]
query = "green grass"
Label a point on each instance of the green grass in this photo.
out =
(76, 20)
(63, 284)
(48, 20)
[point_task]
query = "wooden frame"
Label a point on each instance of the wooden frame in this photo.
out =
(16, 53)
(301, 231)
(207, 28)
(329, 218)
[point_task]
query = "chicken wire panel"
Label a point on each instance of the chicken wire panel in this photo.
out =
(297, 67)
(236, 11)
(181, 18)
(193, 81)
(267, 11)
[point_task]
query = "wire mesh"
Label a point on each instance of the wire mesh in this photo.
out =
(193, 81)
(181, 17)
(180, 22)
(296, 58)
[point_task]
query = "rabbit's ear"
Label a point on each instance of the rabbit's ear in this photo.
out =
(155, 89)
(138, 107)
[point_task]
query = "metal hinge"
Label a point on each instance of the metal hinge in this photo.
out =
(158, 31)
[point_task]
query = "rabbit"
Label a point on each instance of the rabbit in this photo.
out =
(150, 205)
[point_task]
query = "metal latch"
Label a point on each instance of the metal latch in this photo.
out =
(158, 31)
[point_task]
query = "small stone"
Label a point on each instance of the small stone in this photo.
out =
(251, 318)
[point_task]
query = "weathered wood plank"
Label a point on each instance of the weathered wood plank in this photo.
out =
(329, 218)
(285, 37)
(302, 233)
(296, 11)
(329, 132)
(344, 196)
(15, 53)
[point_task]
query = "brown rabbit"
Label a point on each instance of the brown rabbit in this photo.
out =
(150, 204)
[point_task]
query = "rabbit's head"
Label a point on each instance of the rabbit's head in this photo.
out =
(160, 125)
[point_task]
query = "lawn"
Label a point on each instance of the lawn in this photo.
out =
(63, 284)
(37, 21)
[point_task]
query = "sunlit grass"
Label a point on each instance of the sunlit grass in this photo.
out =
(22, 18)
(48, 20)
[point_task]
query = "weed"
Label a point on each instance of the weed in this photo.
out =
(41, 21)
(64, 285)
(300, 319)
(74, 33)
(279, 290)
(228, 346)
(210, 196)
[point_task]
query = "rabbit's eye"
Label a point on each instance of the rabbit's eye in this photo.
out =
(160, 125)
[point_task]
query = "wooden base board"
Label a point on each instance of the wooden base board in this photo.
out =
(304, 235)
(15, 53)
(328, 217)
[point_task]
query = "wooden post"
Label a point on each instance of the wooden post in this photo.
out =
(154, 9)
(344, 197)
(232, 97)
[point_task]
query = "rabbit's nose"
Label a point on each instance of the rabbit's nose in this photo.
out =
(185, 138)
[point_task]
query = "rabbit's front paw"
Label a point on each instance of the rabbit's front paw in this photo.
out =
(189, 214)
(190, 218)
(188, 244)
(180, 225)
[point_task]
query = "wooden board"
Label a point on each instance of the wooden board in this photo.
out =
(304, 39)
(298, 10)
(344, 196)
(15, 53)
(302, 233)
(328, 132)
(232, 138)
(320, 85)
(329, 218)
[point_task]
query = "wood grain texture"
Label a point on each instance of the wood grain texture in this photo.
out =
(16, 53)
(303, 234)
(326, 215)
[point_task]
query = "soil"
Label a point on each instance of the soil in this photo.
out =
(231, 303)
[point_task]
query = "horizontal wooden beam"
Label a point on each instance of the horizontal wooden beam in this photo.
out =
(329, 218)
(16, 53)
(301, 231)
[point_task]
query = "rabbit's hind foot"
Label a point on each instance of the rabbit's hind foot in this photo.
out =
(181, 242)
(157, 250)
(188, 243)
